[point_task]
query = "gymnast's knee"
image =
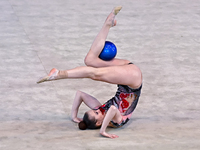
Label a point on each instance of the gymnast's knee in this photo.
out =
(89, 61)
(96, 75)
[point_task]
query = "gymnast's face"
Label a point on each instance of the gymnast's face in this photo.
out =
(97, 114)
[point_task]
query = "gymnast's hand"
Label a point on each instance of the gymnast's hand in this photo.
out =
(112, 136)
(77, 120)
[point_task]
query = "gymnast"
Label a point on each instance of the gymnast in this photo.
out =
(117, 111)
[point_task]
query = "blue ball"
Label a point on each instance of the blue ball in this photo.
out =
(109, 51)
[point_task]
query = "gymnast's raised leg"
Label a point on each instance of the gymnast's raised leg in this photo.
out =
(116, 71)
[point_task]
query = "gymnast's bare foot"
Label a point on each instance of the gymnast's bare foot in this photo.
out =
(110, 21)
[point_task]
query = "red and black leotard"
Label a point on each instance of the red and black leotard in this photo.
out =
(125, 100)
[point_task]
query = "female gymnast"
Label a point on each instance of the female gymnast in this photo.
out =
(117, 111)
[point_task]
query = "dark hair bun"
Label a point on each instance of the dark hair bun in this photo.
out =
(82, 125)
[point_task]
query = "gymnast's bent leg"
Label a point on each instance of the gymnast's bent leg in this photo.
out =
(92, 58)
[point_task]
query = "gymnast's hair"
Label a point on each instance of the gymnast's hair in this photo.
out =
(87, 122)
